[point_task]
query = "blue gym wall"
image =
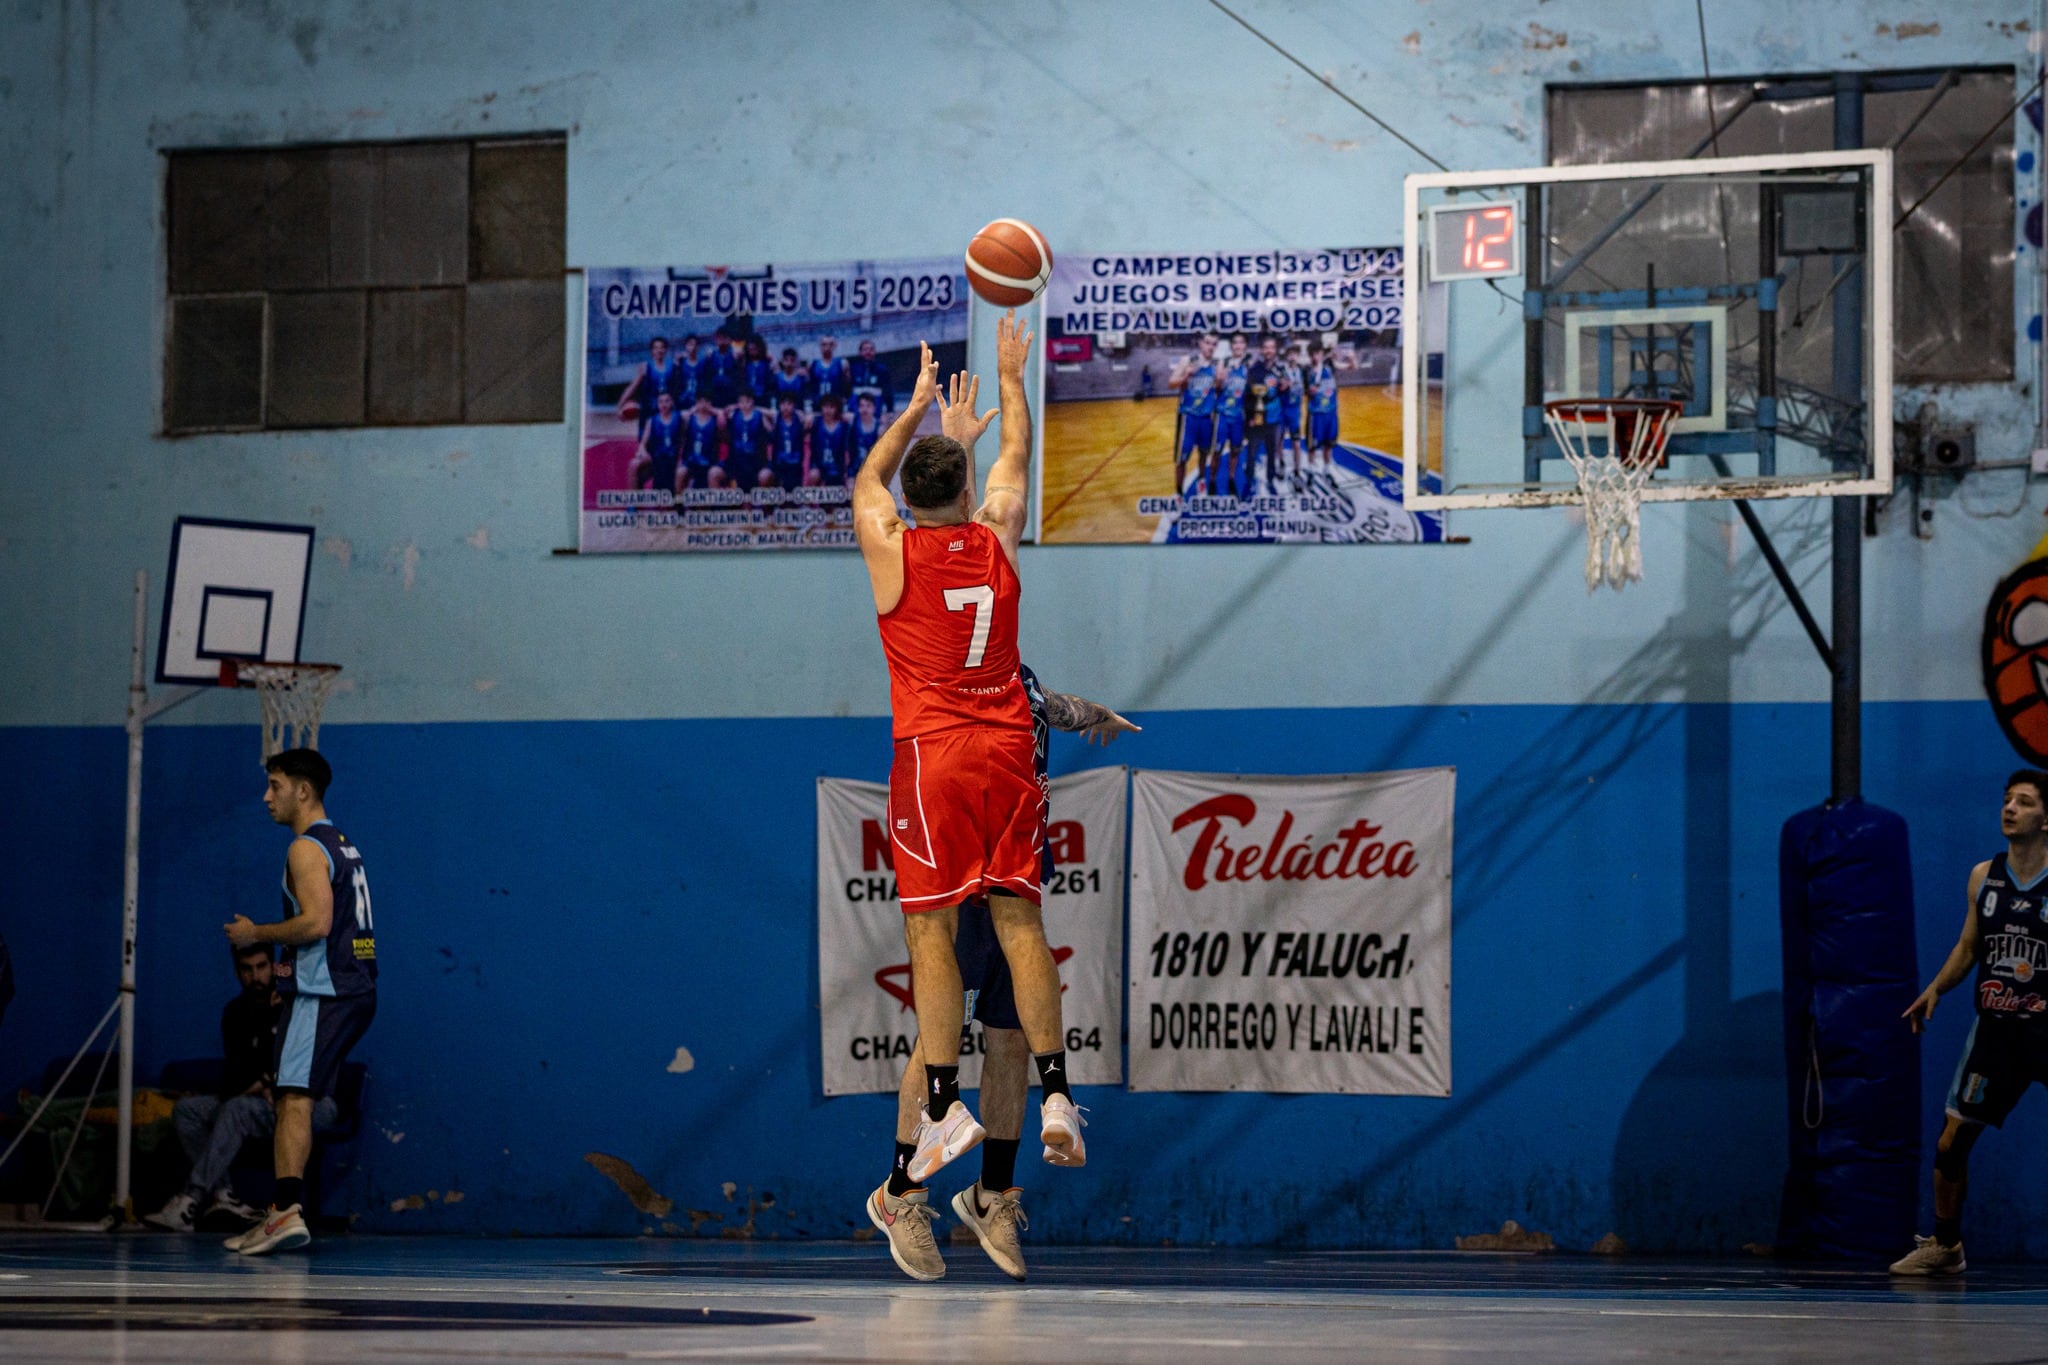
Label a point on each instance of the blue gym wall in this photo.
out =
(585, 785)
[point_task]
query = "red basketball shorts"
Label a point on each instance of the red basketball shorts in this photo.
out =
(966, 817)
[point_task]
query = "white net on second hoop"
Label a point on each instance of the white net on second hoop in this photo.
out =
(293, 696)
(1631, 435)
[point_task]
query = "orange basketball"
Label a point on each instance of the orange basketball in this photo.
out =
(2015, 658)
(1008, 263)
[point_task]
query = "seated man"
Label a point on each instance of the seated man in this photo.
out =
(212, 1128)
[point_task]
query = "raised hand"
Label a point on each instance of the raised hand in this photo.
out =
(1921, 1011)
(956, 414)
(1013, 346)
(927, 377)
(1103, 731)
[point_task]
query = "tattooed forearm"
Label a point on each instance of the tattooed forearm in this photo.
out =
(1064, 711)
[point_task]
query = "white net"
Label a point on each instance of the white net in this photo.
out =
(292, 696)
(1633, 434)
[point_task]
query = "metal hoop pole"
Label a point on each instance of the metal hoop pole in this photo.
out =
(131, 881)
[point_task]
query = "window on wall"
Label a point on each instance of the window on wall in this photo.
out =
(1953, 259)
(400, 284)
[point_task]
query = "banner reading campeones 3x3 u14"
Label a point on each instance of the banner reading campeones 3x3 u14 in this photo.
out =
(1226, 396)
(729, 407)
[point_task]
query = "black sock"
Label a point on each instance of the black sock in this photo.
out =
(942, 1088)
(1052, 1073)
(900, 1182)
(291, 1189)
(1948, 1232)
(998, 1164)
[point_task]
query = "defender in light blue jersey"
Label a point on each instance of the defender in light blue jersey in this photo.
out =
(328, 978)
(1195, 377)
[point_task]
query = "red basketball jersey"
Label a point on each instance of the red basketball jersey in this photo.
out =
(952, 639)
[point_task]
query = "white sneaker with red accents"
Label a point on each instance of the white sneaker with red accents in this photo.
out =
(1059, 1128)
(947, 1140)
(906, 1220)
(280, 1230)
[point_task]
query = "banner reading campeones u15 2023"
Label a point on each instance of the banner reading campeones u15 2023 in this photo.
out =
(865, 1000)
(1227, 396)
(729, 407)
(1291, 934)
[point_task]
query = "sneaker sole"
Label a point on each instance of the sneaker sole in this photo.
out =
(946, 1157)
(875, 1217)
(1062, 1148)
(963, 1209)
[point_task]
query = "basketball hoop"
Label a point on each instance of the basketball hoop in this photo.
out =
(1636, 432)
(292, 696)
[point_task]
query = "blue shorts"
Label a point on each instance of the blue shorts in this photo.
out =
(314, 1037)
(1195, 430)
(983, 968)
(1322, 428)
(1230, 430)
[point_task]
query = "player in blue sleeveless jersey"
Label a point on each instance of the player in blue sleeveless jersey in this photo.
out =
(831, 443)
(656, 376)
(718, 374)
(992, 1206)
(791, 444)
(1233, 379)
(830, 374)
(869, 377)
(328, 978)
(756, 370)
(661, 446)
(1284, 413)
(687, 368)
(704, 447)
(2005, 936)
(789, 380)
(868, 427)
(1321, 380)
(749, 433)
(1195, 377)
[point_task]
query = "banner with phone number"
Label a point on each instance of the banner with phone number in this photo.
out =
(865, 1001)
(729, 407)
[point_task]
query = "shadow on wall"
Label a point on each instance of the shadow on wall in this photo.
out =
(1700, 1158)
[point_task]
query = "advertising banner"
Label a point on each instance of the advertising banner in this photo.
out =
(1292, 934)
(865, 1008)
(1226, 396)
(728, 407)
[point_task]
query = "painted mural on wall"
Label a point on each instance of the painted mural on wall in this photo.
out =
(865, 1004)
(729, 407)
(1226, 396)
(2014, 651)
(1292, 934)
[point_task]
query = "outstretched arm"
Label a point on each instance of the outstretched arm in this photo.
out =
(874, 506)
(1961, 958)
(1099, 724)
(1004, 507)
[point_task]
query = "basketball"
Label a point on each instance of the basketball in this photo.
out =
(1008, 263)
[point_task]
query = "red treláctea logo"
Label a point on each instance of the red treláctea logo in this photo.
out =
(1356, 851)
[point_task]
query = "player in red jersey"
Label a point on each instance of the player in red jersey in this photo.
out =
(966, 806)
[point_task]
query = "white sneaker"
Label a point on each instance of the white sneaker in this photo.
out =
(176, 1216)
(906, 1220)
(947, 1140)
(1059, 1128)
(226, 1204)
(1929, 1257)
(996, 1225)
(280, 1230)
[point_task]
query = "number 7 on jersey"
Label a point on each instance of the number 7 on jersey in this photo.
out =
(982, 598)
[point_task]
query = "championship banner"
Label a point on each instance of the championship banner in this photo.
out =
(865, 1004)
(728, 407)
(1226, 396)
(1292, 934)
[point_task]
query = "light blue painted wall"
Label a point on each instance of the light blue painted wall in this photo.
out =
(802, 130)
(813, 131)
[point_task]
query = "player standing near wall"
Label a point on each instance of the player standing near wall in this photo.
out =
(2008, 1047)
(965, 802)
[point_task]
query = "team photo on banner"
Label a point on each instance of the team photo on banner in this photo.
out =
(729, 407)
(1291, 934)
(1226, 396)
(865, 1000)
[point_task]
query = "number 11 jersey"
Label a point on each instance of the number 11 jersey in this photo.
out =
(951, 640)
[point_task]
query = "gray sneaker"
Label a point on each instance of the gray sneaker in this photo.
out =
(1929, 1257)
(996, 1225)
(176, 1216)
(906, 1220)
